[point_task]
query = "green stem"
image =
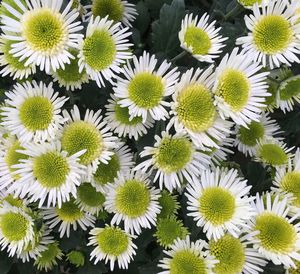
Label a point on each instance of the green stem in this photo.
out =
(179, 56)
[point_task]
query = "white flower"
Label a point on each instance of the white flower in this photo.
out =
(104, 50)
(32, 112)
(218, 202)
(273, 37)
(42, 33)
(174, 159)
(145, 86)
(201, 38)
(194, 112)
(239, 88)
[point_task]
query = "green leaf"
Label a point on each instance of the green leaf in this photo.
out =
(165, 30)
(155, 6)
(5, 263)
(142, 21)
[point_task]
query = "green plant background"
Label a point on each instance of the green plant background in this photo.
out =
(156, 30)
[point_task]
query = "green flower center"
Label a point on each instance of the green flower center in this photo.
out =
(198, 39)
(230, 253)
(36, 113)
(76, 258)
(13, 201)
(49, 255)
(44, 30)
(69, 212)
(99, 50)
(89, 196)
(217, 205)
(132, 198)
(51, 169)
(113, 8)
(14, 226)
(195, 108)
(248, 3)
(291, 183)
(290, 88)
(272, 34)
(122, 115)
(234, 88)
(273, 154)
(106, 173)
(113, 241)
(186, 262)
(173, 154)
(168, 204)
(11, 60)
(250, 136)
(81, 135)
(146, 90)
(275, 233)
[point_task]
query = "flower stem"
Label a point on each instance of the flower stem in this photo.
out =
(179, 56)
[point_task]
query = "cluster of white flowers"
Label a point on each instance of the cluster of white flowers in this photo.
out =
(63, 169)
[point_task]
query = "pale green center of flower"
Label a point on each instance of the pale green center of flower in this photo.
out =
(217, 205)
(51, 169)
(248, 3)
(14, 226)
(13, 157)
(49, 255)
(106, 173)
(186, 262)
(168, 204)
(195, 108)
(82, 135)
(113, 241)
(291, 183)
(99, 50)
(249, 136)
(234, 88)
(173, 154)
(198, 39)
(290, 88)
(12, 61)
(13, 201)
(122, 115)
(168, 230)
(230, 253)
(69, 212)
(89, 196)
(272, 34)
(76, 258)
(146, 90)
(36, 113)
(113, 8)
(273, 154)
(275, 233)
(44, 30)
(132, 198)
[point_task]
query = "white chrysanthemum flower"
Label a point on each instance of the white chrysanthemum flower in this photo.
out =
(120, 122)
(112, 244)
(104, 50)
(16, 228)
(219, 203)
(48, 258)
(116, 10)
(174, 159)
(240, 90)
(121, 162)
(272, 233)
(289, 93)
(69, 76)
(32, 112)
(201, 38)
(186, 257)
(145, 86)
(49, 174)
(39, 244)
(42, 32)
(273, 37)
(89, 199)
(287, 181)
(273, 152)
(247, 138)
(133, 200)
(236, 255)
(194, 112)
(68, 216)
(11, 65)
(91, 134)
